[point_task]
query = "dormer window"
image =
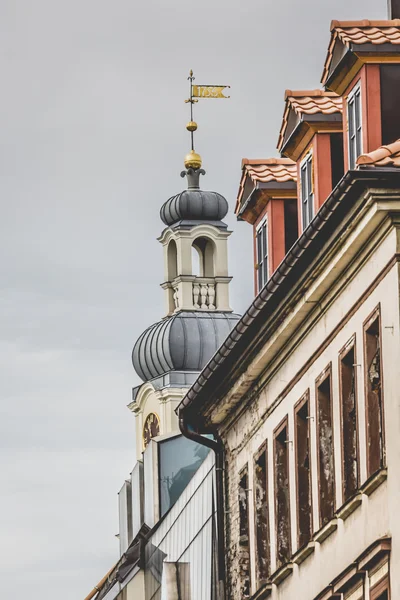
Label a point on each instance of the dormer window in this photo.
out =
(262, 253)
(355, 125)
(307, 193)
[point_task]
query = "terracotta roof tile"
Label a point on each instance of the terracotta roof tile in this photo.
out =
(266, 170)
(272, 169)
(385, 156)
(361, 32)
(309, 102)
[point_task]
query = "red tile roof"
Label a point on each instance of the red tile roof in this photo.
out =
(308, 102)
(385, 156)
(266, 170)
(361, 32)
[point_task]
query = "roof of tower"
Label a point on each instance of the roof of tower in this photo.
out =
(183, 342)
(194, 204)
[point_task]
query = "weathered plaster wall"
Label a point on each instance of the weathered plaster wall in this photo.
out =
(378, 513)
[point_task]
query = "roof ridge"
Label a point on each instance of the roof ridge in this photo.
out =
(365, 23)
(267, 161)
(310, 93)
(385, 155)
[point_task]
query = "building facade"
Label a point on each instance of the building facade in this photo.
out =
(302, 399)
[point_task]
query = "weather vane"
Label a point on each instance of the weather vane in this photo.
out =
(193, 160)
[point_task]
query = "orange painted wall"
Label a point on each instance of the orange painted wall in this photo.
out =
(276, 234)
(369, 76)
(275, 213)
(322, 169)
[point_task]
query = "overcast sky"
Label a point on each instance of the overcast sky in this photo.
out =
(92, 141)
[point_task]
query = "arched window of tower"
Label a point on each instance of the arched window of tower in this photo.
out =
(203, 257)
(172, 261)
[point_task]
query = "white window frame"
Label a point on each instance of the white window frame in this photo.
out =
(263, 253)
(351, 98)
(308, 159)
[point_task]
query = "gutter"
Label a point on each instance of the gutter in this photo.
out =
(216, 445)
(287, 267)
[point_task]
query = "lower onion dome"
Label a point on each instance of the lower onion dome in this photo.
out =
(183, 342)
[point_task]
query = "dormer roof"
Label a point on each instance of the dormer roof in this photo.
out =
(306, 102)
(273, 174)
(358, 38)
(305, 113)
(385, 156)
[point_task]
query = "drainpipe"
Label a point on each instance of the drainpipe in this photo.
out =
(216, 445)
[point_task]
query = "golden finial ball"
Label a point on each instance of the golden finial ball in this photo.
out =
(191, 126)
(193, 160)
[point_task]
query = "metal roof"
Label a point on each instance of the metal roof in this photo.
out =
(183, 342)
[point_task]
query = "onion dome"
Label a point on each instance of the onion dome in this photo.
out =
(194, 204)
(183, 342)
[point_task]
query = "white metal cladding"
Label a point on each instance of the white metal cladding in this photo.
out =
(137, 498)
(185, 537)
(125, 516)
(150, 472)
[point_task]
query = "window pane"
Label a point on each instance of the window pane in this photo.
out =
(282, 508)
(179, 459)
(325, 452)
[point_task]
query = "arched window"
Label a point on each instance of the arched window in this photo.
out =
(203, 258)
(172, 261)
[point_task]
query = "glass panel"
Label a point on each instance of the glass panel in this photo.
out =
(265, 253)
(304, 196)
(179, 459)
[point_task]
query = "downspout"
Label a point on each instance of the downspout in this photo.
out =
(216, 445)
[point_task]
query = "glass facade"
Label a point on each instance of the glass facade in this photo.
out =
(178, 556)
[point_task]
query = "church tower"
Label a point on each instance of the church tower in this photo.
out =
(170, 353)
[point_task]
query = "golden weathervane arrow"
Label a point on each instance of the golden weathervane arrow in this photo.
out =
(193, 159)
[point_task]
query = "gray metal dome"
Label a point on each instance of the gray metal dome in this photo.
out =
(194, 205)
(183, 342)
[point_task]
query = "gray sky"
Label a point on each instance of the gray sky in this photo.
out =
(92, 143)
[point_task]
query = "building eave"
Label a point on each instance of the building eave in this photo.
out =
(251, 332)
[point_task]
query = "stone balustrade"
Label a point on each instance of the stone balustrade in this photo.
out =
(203, 294)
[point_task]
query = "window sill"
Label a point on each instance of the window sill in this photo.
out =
(327, 530)
(349, 506)
(374, 482)
(301, 555)
(264, 592)
(282, 573)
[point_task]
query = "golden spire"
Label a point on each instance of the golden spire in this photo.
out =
(192, 160)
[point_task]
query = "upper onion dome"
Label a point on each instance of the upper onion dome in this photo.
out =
(194, 204)
(183, 342)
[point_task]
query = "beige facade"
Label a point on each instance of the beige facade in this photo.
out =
(359, 277)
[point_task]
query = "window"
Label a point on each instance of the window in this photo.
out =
(282, 504)
(379, 581)
(348, 407)
(244, 546)
(374, 393)
(261, 515)
(307, 193)
(354, 118)
(262, 254)
(326, 474)
(303, 471)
